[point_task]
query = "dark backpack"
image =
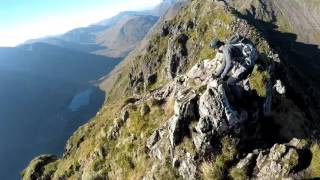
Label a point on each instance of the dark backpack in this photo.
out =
(249, 51)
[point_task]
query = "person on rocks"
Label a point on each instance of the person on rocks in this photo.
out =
(237, 50)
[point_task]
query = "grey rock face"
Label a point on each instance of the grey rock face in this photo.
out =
(158, 143)
(216, 116)
(185, 104)
(278, 163)
(211, 110)
(177, 129)
(185, 110)
(205, 69)
(247, 161)
(177, 55)
(188, 168)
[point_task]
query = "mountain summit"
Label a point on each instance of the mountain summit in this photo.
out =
(167, 117)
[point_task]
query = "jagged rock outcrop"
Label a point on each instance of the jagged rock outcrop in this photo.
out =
(36, 171)
(136, 81)
(188, 167)
(202, 71)
(278, 162)
(177, 55)
(114, 131)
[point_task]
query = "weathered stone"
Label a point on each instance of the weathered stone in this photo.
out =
(177, 129)
(204, 125)
(203, 71)
(211, 108)
(247, 161)
(158, 143)
(185, 104)
(177, 55)
(188, 168)
(136, 81)
(202, 142)
(278, 163)
(153, 139)
(298, 143)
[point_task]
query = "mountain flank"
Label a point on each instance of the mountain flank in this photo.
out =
(167, 117)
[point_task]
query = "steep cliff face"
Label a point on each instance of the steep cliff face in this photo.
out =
(167, 118)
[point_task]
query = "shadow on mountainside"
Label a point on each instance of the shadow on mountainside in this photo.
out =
(301, 70)
(304, 57)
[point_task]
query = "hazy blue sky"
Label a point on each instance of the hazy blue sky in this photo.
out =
(25, 19)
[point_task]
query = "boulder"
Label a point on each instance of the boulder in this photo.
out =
(211, 110)
(158, 143)
(278, 163)
(186, 104)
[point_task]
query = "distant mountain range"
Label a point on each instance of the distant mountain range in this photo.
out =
(113, 37)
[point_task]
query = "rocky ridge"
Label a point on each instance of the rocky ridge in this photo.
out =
(176, 121)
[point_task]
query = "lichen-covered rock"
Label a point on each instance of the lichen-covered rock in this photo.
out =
(278, 163)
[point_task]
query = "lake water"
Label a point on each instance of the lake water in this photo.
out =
(80, 100)
(26, 132)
